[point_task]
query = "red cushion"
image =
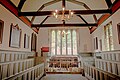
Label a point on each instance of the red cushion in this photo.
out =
(45, 49)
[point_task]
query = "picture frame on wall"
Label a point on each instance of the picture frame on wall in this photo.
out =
(26, 41)
(33, 42)
(118, 29)
(15, 36)
(1, 30)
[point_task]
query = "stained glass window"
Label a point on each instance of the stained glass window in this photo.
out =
(63, 42)
(108, 37)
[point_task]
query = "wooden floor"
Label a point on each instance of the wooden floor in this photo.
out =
(64, 77)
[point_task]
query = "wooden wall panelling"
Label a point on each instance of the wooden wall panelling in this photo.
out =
(0, 72)
(30, 76)
(16, 67)
(117, 57)
(7, 57)
(4, 71)
(33, 75)
(119, 69)
(2, 57)
(22, 66)
(113, 68)
(11, 69)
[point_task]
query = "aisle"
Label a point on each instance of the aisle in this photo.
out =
(64, 77)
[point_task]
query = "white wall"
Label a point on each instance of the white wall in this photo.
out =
(43, 38)
(9, 18)
(100, 31)
(85, 44)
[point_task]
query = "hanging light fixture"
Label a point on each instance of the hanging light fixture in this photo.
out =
(64, 33)
(63, 16)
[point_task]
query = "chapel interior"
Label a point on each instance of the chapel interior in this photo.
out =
(59, 39)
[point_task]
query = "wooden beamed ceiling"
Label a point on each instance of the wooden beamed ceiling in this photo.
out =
(63, 25)
(112, 8)
(21, 3)
(13, 9)
(82, 19)
(77, 12)
(109, 3)
(63, 5)
(43, 6)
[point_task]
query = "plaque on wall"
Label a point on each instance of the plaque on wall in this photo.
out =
(15, 36)
(1, 30)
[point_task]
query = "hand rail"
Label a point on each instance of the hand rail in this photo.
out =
(25, 72)
(109, 61)
(91, 70)
(13, 67)
(10, 62)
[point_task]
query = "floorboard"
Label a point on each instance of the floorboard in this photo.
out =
(64, 77)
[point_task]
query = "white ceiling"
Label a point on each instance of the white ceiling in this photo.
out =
(34, 5)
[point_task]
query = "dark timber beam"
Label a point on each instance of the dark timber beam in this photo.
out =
(63, 22)
(82, 19)
(44, 20)
(21, 3)
(63, 3)
(13, 9)
(84, 5)
(95, 18)
(33, 18)
(45, 5)
(83, 12)
(109, 3)
(62, 25)
(114, 8)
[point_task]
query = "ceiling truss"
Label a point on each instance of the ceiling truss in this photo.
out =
(63, 25)
(48, 13)
(112, 8)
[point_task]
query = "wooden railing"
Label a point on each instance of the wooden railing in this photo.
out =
(7, 55)
(110, 66)
(111, 55)
(94, 73)
(33, 73)
(19, 65)
(14, 67)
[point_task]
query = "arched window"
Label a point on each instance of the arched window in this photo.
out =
(69, 42)
(53, 43)
(63, 42)
(108, 37)
(74, 42)
(58, 42)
